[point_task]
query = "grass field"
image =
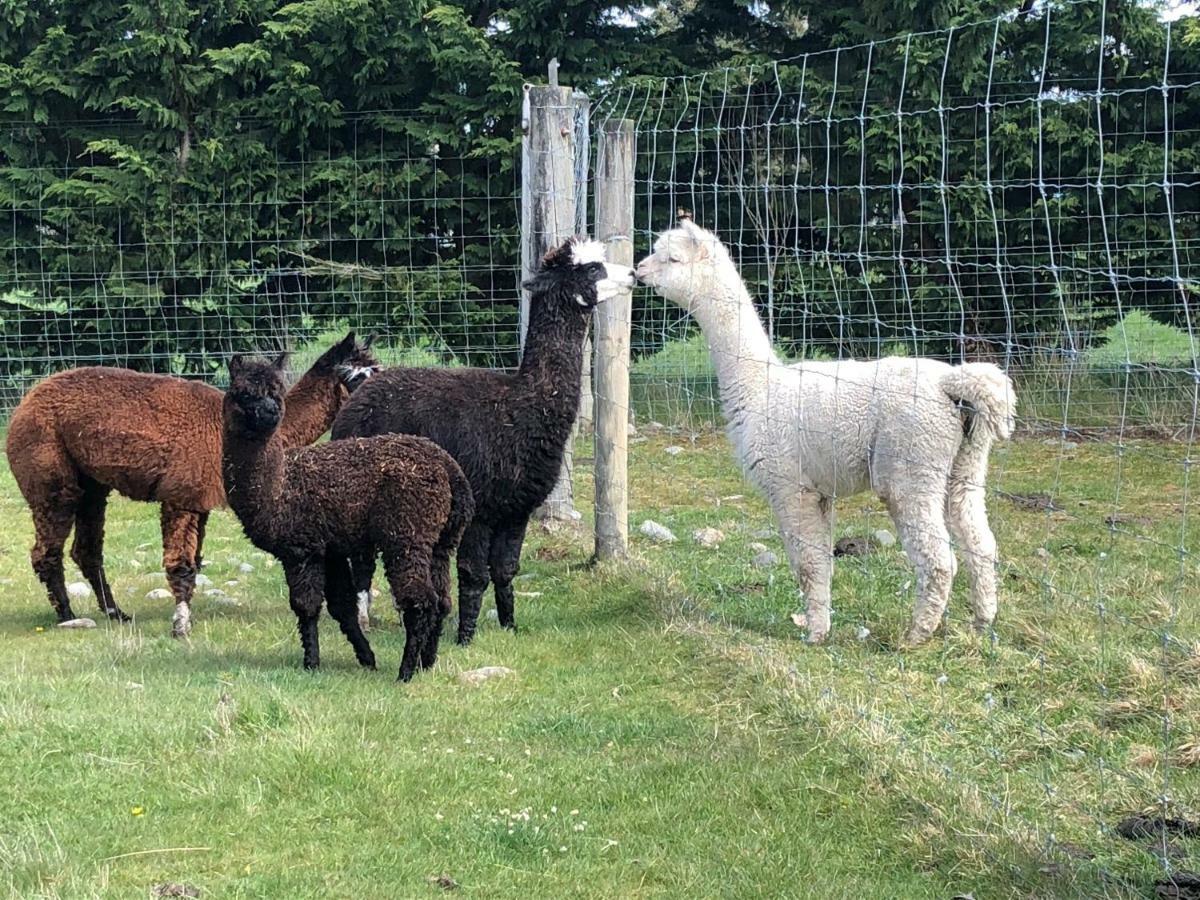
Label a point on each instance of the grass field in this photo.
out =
(666, 734)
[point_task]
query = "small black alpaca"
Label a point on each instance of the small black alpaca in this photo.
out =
(507, 431)
(314, 507)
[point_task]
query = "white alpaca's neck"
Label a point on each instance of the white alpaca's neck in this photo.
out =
(738, 343)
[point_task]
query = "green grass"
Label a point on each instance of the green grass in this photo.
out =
(669, 704)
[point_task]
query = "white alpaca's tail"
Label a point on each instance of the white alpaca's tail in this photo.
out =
(987, 396)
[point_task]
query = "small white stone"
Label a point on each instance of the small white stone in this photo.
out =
(231, 584)
(476, 677)
(708, 538)
(528, 595)
(159, 594)
(81, 622)
(1041, 553)
(942, 679)
(79, 590)
(765, 559)
(756, 547)
(656, 532)
(214, 592)
(203, 580)
(245, 568)
(863, 633)
(885, 538)
(673, 450)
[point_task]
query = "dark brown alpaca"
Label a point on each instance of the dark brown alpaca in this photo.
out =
(83, 433)
(316, 507)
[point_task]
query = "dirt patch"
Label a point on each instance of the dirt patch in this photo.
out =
(1135, 828)
(1032, 502)
(1124, 520)
(854, 545)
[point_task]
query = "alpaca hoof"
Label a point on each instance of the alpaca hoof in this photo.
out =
(367, 662)
(117, 614)
(511, 626)
(817, 637)
(405, 676)
(465, 639)
(66, 614)
(364, 625)
(181, 629)
(983, 626)
(915, 638)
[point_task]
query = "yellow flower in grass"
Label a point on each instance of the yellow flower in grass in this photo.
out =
(39, 629)
(137, 811)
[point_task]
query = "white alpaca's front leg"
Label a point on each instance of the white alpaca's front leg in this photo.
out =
(806, 521)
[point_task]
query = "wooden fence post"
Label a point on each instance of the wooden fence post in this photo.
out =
(614, 226)
(548, 207)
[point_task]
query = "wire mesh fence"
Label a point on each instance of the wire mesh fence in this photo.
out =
(114, 254)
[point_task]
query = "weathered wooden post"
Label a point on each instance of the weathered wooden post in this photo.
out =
(614, 226)
(548, 216)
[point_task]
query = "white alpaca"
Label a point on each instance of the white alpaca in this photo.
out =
(915, 431)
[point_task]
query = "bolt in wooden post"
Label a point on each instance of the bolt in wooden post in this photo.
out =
(614, 226)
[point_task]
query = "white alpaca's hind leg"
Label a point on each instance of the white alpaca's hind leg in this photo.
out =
(806, 521)
(925, 538)
(966, 516)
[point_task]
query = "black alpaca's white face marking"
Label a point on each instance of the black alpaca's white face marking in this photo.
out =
(610, 278)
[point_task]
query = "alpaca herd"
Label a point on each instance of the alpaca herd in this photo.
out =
(426, 463)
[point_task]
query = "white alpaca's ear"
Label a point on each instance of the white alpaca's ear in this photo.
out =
(701, 240)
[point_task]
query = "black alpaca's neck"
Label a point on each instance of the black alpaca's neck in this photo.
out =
(552, 364)
(253, 470)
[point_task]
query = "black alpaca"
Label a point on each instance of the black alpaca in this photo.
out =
(507, 431)
(314, 507)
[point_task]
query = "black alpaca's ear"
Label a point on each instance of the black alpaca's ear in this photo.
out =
(371, 338)
(281, 360)
(235, 364)
(350, 341)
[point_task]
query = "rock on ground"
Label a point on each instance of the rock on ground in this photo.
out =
(82, 622)
(765, 559)
(159, 594)
(656, 532)
(709, 538)
(79, 590)
(476, 677)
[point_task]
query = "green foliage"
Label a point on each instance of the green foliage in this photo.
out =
(1141, 341)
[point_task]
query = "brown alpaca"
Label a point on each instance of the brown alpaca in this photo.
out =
(314, 508)
(84, 433)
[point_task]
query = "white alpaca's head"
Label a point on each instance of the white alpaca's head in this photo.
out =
(686, 265)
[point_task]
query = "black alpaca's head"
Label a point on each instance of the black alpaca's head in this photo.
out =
(349, 360)
(575, 276)
(253, 404)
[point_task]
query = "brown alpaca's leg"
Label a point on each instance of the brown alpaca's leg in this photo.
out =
(306, 584)
(201, 527)
(339, 596)
(504, 560)
(52, 527)
(472, 577)
(412, 589)
(88, 547)
(439, 574)
(181, 532)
